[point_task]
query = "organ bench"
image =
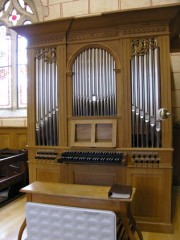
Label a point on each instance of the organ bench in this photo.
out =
(82, 196)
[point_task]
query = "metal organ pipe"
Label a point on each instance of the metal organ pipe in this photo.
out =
(137, 111)
(146, 98)
(89, 82)
(42, 102)
(94, 96)
(73, 91)
(46, 103)
(54, 92)
(133, 100)
(38, 135)
(113, 84)
(46, 97)
(157, 92)
(151, 89)
(94, 83)
(97, 81)
(145, 93)
(141, 99)
(103, 82)
(100, 81)
(50, 89)
(106, 83)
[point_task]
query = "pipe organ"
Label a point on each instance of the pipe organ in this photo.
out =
(99, 97)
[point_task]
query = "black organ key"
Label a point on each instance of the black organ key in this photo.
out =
(93, 157)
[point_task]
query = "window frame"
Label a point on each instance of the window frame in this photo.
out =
(5, 21)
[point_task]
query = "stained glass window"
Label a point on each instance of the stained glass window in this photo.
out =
(14, 17)
(5, 69)
(22, 72)
(13, 54)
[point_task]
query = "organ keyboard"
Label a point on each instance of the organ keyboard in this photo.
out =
(93, 157)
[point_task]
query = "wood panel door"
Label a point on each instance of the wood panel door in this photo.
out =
(13, 137)
(152, 200)
(96, 175)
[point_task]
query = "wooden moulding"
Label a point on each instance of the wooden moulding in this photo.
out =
(93, 133)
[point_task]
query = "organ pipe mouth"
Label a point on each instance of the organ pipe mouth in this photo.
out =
(94, 98)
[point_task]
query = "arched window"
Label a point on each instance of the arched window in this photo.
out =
(13, 59)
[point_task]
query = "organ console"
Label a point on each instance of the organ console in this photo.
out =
(99, 97)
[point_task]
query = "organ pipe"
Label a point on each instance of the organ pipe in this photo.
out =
(46, 97)
(94, 84)
(145, 93)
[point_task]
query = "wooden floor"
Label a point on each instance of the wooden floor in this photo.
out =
(12, 215)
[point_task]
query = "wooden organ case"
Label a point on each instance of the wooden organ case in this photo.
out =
(101, 85)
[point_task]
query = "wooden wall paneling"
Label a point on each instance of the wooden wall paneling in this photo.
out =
(32, 171)
(31, 154)
(32, 163)
(64, 173)
(153, 199)
(5, 139)
(62, 94)
(21, 140)
(45, 172)
(31, 115)
(69, 94)
(13, 137)
(166, 89)
(48, 172)
(124, 94)
(91, 175)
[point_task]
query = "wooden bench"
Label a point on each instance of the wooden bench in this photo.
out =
(13, 171)
(84, 196)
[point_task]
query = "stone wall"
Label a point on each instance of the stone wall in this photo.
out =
(77, 8)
